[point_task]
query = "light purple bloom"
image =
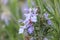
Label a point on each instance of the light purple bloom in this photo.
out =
(27, 18)
(49, 22)
(31, 15)
(21, 30)
(34, 19)
(35, 10)
(30, 30)
(46, 16)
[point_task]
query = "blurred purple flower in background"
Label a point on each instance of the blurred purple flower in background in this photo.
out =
(4, 1)
(6, 16)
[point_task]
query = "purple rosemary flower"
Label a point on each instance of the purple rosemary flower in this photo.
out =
(49, 22)
(30, 29)
(30, 17)
(34, 19)
(21, 29)
(46, 16)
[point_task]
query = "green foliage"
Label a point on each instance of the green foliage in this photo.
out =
(52, 7)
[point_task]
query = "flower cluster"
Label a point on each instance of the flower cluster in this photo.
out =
(30, 17)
